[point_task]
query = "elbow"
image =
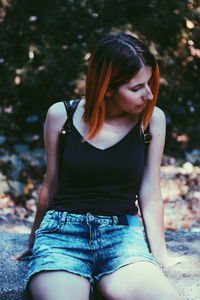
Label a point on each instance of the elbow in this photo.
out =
(150, 192)
(150, 200)
(46, 193)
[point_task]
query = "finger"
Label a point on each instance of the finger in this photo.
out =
(16, 257)
(175, 262)
(178, 260)
(21, 256)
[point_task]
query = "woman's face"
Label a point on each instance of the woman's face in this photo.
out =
(133, 96)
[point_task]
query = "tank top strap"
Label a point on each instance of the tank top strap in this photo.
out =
(147, 135)
(70, 109)
(147, 139)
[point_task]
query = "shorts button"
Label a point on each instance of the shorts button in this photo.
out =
(91, 218)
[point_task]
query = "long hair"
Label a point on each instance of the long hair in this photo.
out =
(114, 62)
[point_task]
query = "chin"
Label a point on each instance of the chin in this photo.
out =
(142, 107)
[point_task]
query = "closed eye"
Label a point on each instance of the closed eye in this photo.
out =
(137, 87)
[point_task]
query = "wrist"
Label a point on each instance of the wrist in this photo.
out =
(164, 261)
(161, 258)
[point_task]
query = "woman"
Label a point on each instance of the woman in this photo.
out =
(85, 237)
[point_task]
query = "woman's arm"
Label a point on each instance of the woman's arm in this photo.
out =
(56, 117)
(150, 200)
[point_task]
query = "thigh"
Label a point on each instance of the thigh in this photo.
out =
(60, 247)
(120, 246)
(139, 281)
(59, 285)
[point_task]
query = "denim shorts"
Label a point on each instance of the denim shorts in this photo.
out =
(86, 244)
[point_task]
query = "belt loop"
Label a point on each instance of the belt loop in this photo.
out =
(87, 218)
(63, 218)
(115, 220)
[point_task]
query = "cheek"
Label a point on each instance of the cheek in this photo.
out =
(126, 95)
(131, 97)
(126, 98)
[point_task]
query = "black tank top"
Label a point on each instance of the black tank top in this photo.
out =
(103, 182)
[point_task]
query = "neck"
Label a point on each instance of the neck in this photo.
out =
(113, 112)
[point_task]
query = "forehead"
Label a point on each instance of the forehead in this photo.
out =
(143, 75)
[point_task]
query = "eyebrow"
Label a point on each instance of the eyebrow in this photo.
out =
(139, 84)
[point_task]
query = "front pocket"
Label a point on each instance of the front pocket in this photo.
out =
(48, 225)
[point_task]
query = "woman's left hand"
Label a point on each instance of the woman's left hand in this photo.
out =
(171, 261)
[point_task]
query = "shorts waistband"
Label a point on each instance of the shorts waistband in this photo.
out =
(87, 218)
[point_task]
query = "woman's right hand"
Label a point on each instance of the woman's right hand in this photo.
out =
(22, 256)
(28, 252)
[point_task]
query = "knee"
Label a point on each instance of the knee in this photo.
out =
(169, 297)
(121, 294)
(115, 293)
(166, 295)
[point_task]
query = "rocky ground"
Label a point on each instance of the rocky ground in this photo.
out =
(180, 185)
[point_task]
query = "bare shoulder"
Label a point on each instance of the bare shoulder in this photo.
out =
(155, 150)
(158, 120)
(57, 111)
(158, 115)
(55, 118)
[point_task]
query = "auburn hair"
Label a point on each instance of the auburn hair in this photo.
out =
(116, 59)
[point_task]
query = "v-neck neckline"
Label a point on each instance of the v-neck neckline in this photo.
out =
(112, 146)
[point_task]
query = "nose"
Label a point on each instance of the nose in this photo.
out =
(148, 93)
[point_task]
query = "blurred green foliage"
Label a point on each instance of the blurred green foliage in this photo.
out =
(43, 51)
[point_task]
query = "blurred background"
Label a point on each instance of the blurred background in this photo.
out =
(44, 50)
